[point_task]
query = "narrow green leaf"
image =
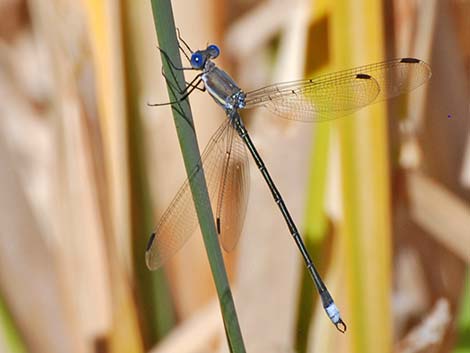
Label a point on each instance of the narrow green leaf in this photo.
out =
(157, 314)
(166, 33)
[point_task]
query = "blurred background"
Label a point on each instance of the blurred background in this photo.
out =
(87, 169)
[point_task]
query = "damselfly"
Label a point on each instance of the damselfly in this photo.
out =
(225, 163)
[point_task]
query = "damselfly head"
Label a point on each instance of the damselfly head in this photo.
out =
(199, 57)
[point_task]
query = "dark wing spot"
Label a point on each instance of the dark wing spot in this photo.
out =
(410, 60)
(150, 242)
(363, 76)
(218, 225)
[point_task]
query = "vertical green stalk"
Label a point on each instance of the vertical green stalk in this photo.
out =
(166, 33)
(156, 310)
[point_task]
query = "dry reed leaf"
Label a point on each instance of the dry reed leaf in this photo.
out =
(430, 332)
(414, 28)
(78, 227)
(27, 131)
(256, 28)
(411, 297)
(104, 26)
(440, 213)
(27, 266)
(104, 20)
(196, 334)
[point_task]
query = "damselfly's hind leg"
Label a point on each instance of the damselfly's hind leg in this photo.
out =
(193, 84)
(185, 92)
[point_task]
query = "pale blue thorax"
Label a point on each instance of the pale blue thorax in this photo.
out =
(222, 88)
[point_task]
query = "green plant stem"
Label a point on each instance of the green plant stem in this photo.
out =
(157, 315)
(166, 33)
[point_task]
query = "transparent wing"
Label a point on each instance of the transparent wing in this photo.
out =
(225, 166)
(233, 192)
(338, 94)
(179, 221)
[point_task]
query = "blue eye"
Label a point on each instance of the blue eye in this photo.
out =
(213, 50)
(197, 60)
